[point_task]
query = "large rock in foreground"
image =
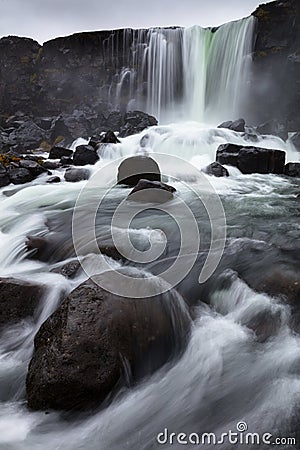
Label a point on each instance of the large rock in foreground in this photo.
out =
(251, 159)
(18, 300)
(97, 341)
(137, 168)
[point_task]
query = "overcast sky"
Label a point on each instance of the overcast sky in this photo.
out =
(46, 19)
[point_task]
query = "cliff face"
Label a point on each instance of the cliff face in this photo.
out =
(275, 81)
(17, 68)
(80, 71)
(63, 74)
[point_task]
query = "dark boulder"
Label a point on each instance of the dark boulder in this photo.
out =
(251, 159)
(74, 175)
(18, 300)
(108, 137)
(57, 152)
(66, 161)
(53, 180)
(152, 192)
(69, 270)
(34, 167)
(228, 154)
(20, 176)
(28, 136)
(37, 247)
(216, 169)
(85, 154)
(51, 165)
(135, 122)
(4, 178)
(259, 160)
(237, 125)
(68, 127)
(97, 341)
(274, 128)
(135, 168)
(292, 169)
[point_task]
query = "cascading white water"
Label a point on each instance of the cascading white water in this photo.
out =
(216, 70)
(195, 73)
(164, 65)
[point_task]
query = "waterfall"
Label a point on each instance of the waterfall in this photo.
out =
(228, 69)
(196, 73)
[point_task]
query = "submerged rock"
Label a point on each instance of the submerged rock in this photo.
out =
(252, 159)
(152, 192)
(216, 169)
(135, 168)
(74, 175)
(96, 342)
(18, 300)
(53, 180)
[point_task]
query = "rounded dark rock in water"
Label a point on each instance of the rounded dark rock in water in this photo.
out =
(152, 192)
(85, 154)
(74, 175)
(135, 168)
(53, 180)
(57, 152)
(292, 169)
(20, 175)
(237, 125)
(18, 300)
(68, 270)
(51, 165)
(216, 169)
(96, 342)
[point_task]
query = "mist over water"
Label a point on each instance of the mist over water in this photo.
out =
(242, 358)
